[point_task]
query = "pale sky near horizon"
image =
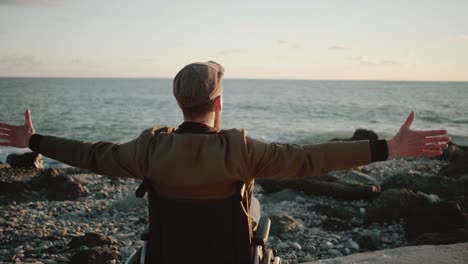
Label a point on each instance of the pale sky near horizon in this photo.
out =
(355, 39)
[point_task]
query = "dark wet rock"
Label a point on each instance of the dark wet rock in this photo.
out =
(355, 176)
(29, 159)
(12, 187)
(420, 212)
(92, 240)
(94, 256)
(360, 134)
(326, 185)
(394, 204)
(452, 152)
(335, 224)
(369, 240)
(65, 188)
(284, 223)
(441, 186)
(441, 238)
(457, 168)
(283, 195)
(439, 217)
(336, 212)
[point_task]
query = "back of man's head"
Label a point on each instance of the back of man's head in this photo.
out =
(198, 84)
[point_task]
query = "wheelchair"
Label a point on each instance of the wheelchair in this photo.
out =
(202, 231)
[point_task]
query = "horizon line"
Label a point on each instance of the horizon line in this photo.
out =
(233, 78)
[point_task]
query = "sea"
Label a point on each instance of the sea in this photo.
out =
(288, 111)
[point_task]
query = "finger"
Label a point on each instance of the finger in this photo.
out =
(435, 147)
(409, 120)
(6, 126)
(431, 133)
(5, 131)
(27, 118)
(5, 136)
(437, 139)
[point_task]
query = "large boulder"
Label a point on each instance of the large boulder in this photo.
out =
(421, 213)
(441, 186)
(95, 256)
(65, 188)
(360, 134)
(29, 159)
(284, 223)
(457, 168)
(92, 240)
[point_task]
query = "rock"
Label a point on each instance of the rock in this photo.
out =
(369, 240)
(352, 246)
(4, 166)
(341, 212)
(92, 240)
(296, 246)
(14, 187)
(421, 214)
(457, 168)
(441, 238)
(360, 134)
(282, 245)
(452, 152)
(394, 204)
(335, 224)
(65, 188)
(334, 253)
(322, 186)
(283, 195)
(29, 159)
(354, 176)
(441, 186)
(95, 256)
(284, 223)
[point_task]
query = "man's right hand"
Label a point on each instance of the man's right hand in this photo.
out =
(17, 136)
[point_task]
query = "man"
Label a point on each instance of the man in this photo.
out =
(200, 161)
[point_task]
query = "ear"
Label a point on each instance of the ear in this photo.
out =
(218, 103)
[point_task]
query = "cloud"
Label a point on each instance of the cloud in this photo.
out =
(37, 3)
(374, 62)
(229, 52)
(19, 62)
(291, 45)
(336, 48)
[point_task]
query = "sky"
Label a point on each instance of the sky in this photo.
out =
(355, 39)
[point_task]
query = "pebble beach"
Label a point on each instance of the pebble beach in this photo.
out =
(34, 229)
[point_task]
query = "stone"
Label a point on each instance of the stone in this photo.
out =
(334, 253)
(355, 176)
(352, 245)
(439, 185)
(296, 246)
(360, 134)
(457, 168)
(335, 224)
(91, 240)
(369, 240)
(284, 223)
(29, 159)
(283, 195)
(340, 212)
(94, 256)
(65, 188)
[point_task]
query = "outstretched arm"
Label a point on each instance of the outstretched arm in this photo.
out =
(101, 157)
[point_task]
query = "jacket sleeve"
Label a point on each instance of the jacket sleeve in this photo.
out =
(276, 161)
(121, 160)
